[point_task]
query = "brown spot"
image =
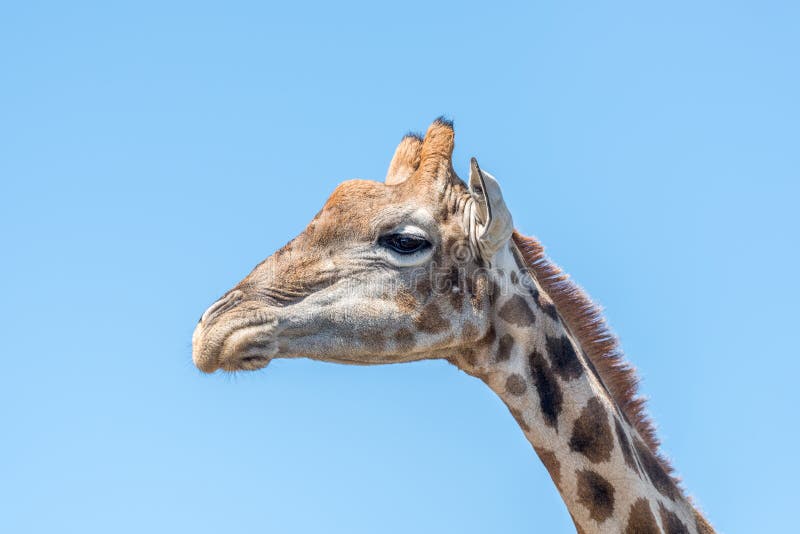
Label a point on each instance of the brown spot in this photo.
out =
(591, 433)
(405, 301)
(671, 522)
(422, 284)
(596, 494)
(551, 463)
(625, 445)
(514, 278)
(469, 356)
(457, 301)
(562, 354)
(494, 292)
(517, 312)
(551, 398)
(373, 340)
(404, 339)
(516, 385)
(504, 348)
(660, 478)
(520, 419)
(477, 287)
(490, 336)
(453, 277)
(641, 519)
(431, 320)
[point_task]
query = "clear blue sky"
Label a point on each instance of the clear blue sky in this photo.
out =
(152, 154)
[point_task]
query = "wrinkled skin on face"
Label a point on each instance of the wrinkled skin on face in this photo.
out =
(386, 272)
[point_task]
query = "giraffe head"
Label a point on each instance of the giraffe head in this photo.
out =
(386, 272)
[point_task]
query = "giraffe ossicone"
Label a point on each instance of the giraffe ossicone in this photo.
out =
(424, 266)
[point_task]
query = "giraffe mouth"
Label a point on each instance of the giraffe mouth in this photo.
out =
(248, 349)
(247, 363)
(234, 347)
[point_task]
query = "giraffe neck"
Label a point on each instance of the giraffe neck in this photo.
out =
(608, 478)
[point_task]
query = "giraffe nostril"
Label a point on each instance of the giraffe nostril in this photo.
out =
(227, 302)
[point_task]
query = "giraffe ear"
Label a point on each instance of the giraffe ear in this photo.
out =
(491, 225)
(405, 161)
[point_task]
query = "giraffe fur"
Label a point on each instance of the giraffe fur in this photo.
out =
(426, 266)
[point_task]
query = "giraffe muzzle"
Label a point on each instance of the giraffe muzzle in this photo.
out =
(231, 338)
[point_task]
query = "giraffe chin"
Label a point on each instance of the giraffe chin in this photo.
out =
(247, 363)
(235, 348)
(248, 349)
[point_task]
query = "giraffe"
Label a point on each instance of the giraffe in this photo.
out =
(425, 266)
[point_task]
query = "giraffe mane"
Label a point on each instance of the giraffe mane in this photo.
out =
(585, 320)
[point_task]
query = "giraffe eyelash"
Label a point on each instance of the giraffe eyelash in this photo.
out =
(404, 243)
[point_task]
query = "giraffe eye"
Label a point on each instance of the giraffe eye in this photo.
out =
(404, 243)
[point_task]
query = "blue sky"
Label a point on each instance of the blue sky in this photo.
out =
(152, 154)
